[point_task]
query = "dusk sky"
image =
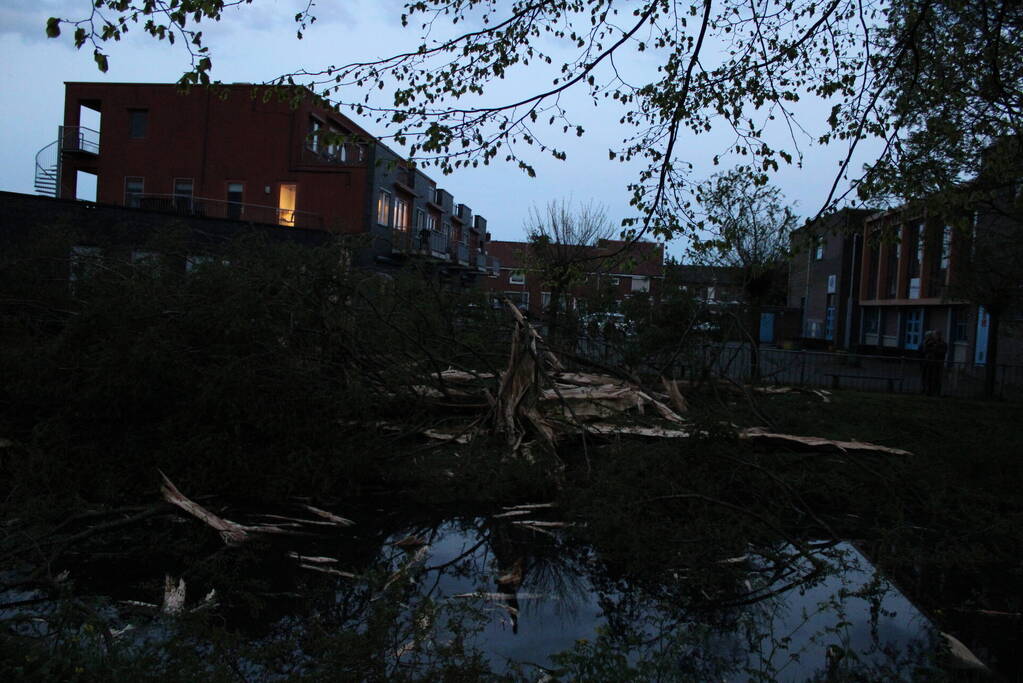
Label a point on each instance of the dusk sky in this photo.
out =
(256, 43)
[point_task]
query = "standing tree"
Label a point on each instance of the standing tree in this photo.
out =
(563, 250)
(958, 104)
(746, 228)
(696, 66)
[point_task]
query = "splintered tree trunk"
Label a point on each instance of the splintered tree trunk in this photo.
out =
(991, 368)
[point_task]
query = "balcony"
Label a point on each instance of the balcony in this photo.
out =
(429, 243)
(460, 254)
(348, 155)
(217, 208)
(79, 140)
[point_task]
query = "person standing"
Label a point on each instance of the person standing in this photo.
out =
(934, 351)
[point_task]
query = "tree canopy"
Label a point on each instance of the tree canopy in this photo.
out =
(902, 71)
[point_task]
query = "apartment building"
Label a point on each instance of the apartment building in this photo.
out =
(824, 277)
(614, 270)
(270, 155)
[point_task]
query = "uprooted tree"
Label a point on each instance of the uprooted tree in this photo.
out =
(944, 73)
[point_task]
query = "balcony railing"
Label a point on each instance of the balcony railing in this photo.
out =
(348, 154)
(461, 253)
(79, 139)
(218, 208)
(422, 242)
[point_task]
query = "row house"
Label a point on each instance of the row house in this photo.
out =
(615, 270)
(270, 155)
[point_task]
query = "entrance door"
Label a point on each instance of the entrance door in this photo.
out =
(914, 328)
(983, 323)
(766, 328)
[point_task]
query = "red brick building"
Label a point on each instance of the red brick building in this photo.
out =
(614, 271)
(269, 155)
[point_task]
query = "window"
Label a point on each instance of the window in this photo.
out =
(314, 134)
(960, 325)
(615, 281)
(891, 289)
(401, 214)
(641, 284)
(138, 123)
(871, 320)
(384, 208)
(133, 188)
(818, 250)
(432, 222)
(183, 194)
(517, 277)
(914, 328)
(832, 284)
(519, 299)
(286, 204)
(420, 220)
(545, 300)
(829, 318)
(711, 294)
(235, 194)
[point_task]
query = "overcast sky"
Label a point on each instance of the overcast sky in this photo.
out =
(256, 43)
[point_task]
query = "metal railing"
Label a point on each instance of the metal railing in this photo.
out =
(460, 252)
(204, 207)
(79, 139)
(422, 242)
(346, 154)
(891, 374)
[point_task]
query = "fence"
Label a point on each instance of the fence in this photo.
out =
(815, 369)
(857, 371)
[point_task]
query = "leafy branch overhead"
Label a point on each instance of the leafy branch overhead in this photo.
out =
(723, 65)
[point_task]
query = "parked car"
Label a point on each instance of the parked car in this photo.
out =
(599, 324)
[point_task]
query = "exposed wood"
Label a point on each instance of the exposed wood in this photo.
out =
(815, 443)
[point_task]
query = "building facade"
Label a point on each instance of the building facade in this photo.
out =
(267, 155)
(824, 278)
(613, 270)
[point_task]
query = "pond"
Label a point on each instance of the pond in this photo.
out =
(518, 592)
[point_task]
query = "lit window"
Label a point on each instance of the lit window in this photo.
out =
(819, 248)
(286, 205)
(401, 214)
(133, 189)
(138, 123)
(517, 277)
(384, 208)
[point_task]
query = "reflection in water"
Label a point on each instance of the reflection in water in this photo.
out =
(519, 593)
(538, 599)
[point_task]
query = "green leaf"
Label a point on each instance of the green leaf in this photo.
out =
(101, 60)
(52, 27)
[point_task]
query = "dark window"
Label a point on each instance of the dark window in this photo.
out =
(891, 290)
(133, 189)
(235, 193)
(183, 194)
(138, 123)
(872, 271)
